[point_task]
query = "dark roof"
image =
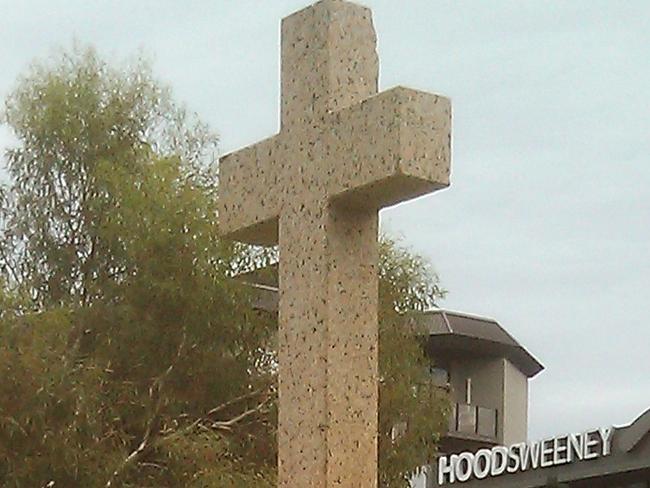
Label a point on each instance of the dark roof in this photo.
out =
(632, 434)
(450, 331)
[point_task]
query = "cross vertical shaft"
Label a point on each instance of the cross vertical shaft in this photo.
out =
(353, 348)
(328, 336)
(328, 300)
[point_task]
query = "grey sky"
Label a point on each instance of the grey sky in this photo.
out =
(546, 225)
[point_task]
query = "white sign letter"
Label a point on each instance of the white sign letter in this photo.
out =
(499, 460)
(606, 436)
(589, 443)
(481, 463)
(514, 457)
(576, 443)
(464, 465)
(446, 466)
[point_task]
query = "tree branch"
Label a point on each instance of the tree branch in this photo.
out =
(227, 424)
(141, 447)
(156, 386)
(265, 390)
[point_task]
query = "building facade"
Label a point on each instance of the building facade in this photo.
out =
(487, 446)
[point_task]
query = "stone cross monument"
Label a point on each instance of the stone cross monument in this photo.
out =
(342, 153)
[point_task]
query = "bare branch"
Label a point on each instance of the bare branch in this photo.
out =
(246, 396)
(141, 447)
(228, 424)
(156, 387)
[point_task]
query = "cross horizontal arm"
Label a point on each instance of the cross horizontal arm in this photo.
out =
(249, 200)
(390, 148)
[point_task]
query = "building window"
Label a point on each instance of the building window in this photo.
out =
(440, 376)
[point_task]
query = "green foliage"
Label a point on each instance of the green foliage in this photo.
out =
(128, 356)
(412, 409)
(78, 120)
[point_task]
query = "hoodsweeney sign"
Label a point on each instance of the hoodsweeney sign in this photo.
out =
(524, 456)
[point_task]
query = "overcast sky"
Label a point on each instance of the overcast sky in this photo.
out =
(546, 224)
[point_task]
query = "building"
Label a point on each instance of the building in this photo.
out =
(486, 443)
(488, 371)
